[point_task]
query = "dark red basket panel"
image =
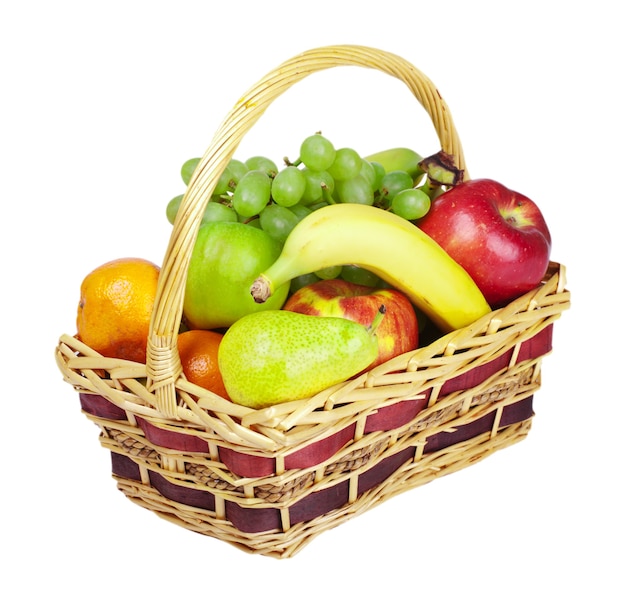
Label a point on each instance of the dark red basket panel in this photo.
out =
(253, 520)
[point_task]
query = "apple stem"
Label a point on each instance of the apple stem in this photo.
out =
(260, 289)
(378, 318)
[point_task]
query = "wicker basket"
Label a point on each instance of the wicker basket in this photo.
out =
(270, 480)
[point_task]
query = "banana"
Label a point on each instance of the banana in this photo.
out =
(389, 246)
(399, 158)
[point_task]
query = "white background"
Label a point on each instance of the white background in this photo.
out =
(100, 105)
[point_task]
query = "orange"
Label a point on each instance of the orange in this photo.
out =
(115, 307)
(198, 356)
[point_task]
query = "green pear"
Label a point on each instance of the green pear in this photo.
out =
(275, 356)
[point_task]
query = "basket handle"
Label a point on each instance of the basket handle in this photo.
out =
(163, 362)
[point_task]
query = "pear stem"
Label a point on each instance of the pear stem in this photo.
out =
(378, 318)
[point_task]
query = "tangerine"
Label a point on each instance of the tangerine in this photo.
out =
(198, 355)
(115, 307)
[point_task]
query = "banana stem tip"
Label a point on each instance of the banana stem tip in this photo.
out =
(260, 290)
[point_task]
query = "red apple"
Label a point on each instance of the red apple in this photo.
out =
(398, 330)
(497, 235)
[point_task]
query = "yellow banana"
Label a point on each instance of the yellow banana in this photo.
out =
(389, 246)
(398, 158)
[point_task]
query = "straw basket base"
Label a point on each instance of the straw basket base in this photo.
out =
(282, 531)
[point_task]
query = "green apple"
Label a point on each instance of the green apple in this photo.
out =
(226, 259)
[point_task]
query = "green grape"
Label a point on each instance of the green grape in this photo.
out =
(253, 221)
(328, 182)
(187, 169)
(411, 204)
(379, 171)
(317, 152)
(256, 222)
(277, 221)
(267, 165)
(300, 210)
(358, 275)
(317, 206)
(355, 190)
(301, 281)
(346, 165)
(288, 186)
(369, 174)
(252, 193)
(393, 182)
(218, 212)
(329, 273)
(225, 183)
(237, 169)
(318, 184)
(172, 208)
(312, 187)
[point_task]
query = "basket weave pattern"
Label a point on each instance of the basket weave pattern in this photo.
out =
(270, 480)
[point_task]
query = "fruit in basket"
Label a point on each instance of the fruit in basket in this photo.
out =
(320, 175)
(277, 356)
(288, 186)
(317, 153)
(396, 334)
(252, 193)
(115, 307)
(225, 260)
(393, 182)
(399, 158)
(198, 351)
(277, 221)
(214, 211)
(499, 236)
(391, 247)
(188, 168)
(410, 204)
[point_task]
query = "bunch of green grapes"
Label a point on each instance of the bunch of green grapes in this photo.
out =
(259, 193)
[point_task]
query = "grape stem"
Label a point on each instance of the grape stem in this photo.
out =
(326, 194)
(288, 162)
(251, 219)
